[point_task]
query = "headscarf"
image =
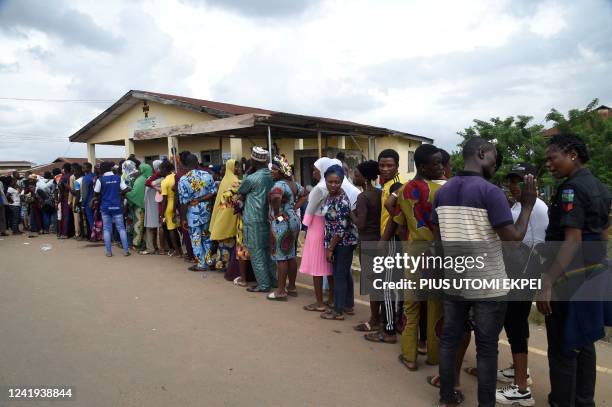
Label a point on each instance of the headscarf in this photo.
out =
(322, 164)
(351, 190)
(223, 220)
(136, 195)
(335, 169)
(319, 192)
(283, 165)
(156, 165)
(127, 169)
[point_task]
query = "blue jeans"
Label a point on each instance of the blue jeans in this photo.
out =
(344, 295)
(89, 214)
(107, 222)
(489, 320)
(45, 217)
(15, 217)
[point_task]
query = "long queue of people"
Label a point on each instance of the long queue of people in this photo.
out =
(246, 218)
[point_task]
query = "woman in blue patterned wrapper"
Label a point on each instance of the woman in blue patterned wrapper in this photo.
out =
(284, 197)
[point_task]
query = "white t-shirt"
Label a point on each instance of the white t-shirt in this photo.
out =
(14, 194)
(538, 222)
(98, 185)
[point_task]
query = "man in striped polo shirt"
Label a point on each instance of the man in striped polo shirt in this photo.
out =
(469, 208)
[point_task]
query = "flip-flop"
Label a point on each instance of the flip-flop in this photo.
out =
(292, 293)
(434, 381)
(349, 311)
(379, 337)
(405, 362)
(332, 315)
(314, 308)
(472, 371)
(273, 297)
(365, 326)
(257, 289)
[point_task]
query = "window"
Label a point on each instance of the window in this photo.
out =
(211, 157)
(410, 161)
(151, 158)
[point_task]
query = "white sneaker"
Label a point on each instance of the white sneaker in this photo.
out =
(507, 376)
(511, 395)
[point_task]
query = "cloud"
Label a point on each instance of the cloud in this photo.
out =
(427, 68)
(261, 8)
(68, 24)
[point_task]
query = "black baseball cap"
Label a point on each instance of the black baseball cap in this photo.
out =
(522, 169)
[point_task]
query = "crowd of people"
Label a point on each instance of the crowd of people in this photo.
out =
(245, 218)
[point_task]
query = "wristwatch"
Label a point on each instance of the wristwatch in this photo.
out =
(280, 218)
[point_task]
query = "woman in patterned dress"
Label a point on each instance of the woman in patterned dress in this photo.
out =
(285, 195)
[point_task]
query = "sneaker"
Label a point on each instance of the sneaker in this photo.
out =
(507, 376)
(511, 395)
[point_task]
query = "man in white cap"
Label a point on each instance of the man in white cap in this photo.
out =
(254, 193)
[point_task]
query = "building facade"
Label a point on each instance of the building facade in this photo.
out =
(152, 125)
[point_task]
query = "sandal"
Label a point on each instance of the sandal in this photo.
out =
(275, 297)
(145, 252)
(412, 366)
(292, 293)
(380, 337)
(332, 315)
(314, 308)
(472, 371)
(349, 311)
(257, 289)
(365, 326)
(434, 381)
(195, 267)
(239, 283)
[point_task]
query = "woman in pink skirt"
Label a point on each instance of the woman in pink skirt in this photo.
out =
(313, 256)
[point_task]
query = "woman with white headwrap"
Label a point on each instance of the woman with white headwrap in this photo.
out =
(313, 261)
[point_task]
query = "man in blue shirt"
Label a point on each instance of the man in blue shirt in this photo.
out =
(196, 191)
(109, 190)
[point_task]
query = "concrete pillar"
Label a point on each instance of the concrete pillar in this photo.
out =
(299, 144)
(129, 146)
(172, 143)
(236, 148)
(342, 142)
(91, 153)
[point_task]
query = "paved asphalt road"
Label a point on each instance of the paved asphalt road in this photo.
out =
(142, 331)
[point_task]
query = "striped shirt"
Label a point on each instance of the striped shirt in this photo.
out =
(469, 208)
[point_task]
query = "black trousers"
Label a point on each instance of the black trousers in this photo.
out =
(516, 325)
(391, 300)
(572, 373)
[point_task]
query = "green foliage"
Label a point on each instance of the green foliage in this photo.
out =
(595, 130)
(520, 141)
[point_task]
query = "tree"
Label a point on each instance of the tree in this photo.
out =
(519, 141)
(515, 138)
(596, 131)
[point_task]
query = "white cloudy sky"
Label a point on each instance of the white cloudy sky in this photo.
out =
(418, 66)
